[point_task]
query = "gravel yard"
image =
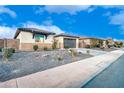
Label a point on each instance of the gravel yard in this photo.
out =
(24, 63)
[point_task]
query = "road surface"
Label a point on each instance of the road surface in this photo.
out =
(112, 77)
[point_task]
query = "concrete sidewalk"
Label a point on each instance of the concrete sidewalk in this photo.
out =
(71, 75)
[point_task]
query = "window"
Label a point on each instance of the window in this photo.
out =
(38, 38)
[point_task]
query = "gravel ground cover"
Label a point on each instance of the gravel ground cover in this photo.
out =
(24, 63)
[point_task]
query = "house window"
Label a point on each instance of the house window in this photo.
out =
(39, 38)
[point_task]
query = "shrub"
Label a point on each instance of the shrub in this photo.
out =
(98, 45)
(87, 46)
(12, 50)
(35, 47)
(0, 49)
(54, 46)
(45, 48)
(88, 51)
(73, 52)
(66, 47)
(7, 53)
(59, 58)
(103, 48)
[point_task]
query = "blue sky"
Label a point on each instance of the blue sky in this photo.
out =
(85, 20)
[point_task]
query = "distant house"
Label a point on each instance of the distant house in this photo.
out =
(110, 42)
(32, 36)
(89, 42)
(67, 41)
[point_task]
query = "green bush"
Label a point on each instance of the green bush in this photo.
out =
(45, 48)
(12, 50)
(0, 49)
(35, 47)
(54, 46)
(7, 53)
(59, 58)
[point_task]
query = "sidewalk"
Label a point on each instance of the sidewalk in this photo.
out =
(71, 75)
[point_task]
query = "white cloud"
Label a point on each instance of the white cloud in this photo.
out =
(5, 10)
(7, 32)
(112, 6)
(117, 19)
(118, 39)
(52, 28)
(71, 9)
(48, 22)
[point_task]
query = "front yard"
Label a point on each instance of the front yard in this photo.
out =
(24, 63)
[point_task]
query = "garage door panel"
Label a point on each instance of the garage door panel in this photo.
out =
(69, 43)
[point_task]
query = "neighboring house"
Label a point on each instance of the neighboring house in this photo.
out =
(32, 36)
(89, 42)
(110, 42)
(67, 41)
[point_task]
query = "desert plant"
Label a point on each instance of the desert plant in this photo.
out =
(12, 50)
(45, 48)
(54, 46)
(103, 48)
(35, 47)
(7, 53)
(88, 51)
(59, 58)
(73, 52)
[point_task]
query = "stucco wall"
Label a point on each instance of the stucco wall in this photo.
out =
(59, 42)
(49, 39)
(26, 37)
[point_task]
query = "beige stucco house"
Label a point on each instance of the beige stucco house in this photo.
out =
(67, 41)
(32, 36)
(89, 42)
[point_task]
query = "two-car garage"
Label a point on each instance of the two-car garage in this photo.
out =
(67, 41)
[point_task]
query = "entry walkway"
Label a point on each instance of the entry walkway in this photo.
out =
(71, 75)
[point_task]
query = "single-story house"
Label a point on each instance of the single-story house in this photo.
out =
(67, 41)
(110, 41)
(33, 36)
(89, 42)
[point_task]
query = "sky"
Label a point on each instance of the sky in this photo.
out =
(81, 20)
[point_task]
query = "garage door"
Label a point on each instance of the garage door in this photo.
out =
(69, 43)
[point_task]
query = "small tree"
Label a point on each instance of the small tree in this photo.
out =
(7, 53)
(35, 47)
(121, 44)
(54, 46)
